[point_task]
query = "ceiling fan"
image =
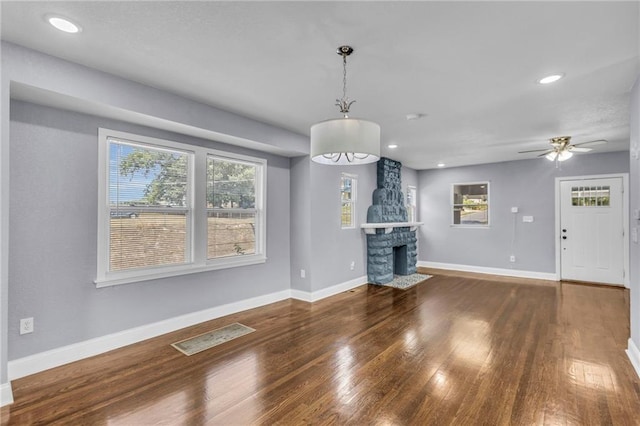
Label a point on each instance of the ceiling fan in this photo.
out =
(562, 149)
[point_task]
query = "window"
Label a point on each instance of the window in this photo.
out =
(412, 204)
(231, 207)
(149, 206)
(590, 196)
(167, 208)
(471, 204)
(348, 184)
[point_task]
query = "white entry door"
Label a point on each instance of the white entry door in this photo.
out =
(591, 230)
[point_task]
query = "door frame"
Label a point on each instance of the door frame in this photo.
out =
(625, 218)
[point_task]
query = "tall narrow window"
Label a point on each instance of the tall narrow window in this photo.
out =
(412, 204)
(471, 204)
(149, 206)
(348, 184)
(231, 207)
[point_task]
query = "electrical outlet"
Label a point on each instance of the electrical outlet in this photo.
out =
(353, 265)
(514, 210)
(512, 258)
(303, 273)
(26, 325)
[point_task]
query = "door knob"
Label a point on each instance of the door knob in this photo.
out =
(564, 230)
(564, 237)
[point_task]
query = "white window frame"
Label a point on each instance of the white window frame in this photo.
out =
(196, 221)
(354, 199)
(412, 203)
(452, 205)
(259, 210)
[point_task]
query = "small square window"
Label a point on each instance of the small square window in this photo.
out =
(470, 204)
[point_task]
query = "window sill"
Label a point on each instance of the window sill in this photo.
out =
(138, 276)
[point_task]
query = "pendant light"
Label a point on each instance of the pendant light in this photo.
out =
(345, 140)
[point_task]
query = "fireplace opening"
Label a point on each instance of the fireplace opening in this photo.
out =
(400, 260)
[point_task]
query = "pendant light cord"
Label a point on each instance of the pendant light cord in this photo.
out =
(344, 103)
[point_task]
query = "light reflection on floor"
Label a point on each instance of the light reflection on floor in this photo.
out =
(344, 363)
(236, 388)
(152, 413)
(592, 375)
(471, 341)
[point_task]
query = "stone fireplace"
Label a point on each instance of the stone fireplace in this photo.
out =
(391, 240)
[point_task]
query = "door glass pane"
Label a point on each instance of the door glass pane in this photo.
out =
(590, 196)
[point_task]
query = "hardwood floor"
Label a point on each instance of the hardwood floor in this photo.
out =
(453, 350)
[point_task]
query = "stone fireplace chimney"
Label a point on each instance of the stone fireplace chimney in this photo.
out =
(390, 250)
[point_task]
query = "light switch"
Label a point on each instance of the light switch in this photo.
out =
(514, 210)
(527, 218)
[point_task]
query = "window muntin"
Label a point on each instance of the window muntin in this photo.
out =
(231, 207)
(590, 196)
(470, 203)
(348, 184)
(175, 217)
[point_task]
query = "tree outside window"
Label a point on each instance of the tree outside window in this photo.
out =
(167, 208)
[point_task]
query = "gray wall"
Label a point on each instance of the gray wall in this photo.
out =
(54, 81)
(53, 222)
(634, 204)
(526, 184)
(300, 223)
(334, 248)
(409, 178)
(4, 223)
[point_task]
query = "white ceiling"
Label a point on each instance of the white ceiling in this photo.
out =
(470, 67)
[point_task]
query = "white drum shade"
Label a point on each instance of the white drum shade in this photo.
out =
(345, 141)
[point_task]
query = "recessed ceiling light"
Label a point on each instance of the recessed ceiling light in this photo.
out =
(551, 78)
(440, 164)
(392, 146)
(63, 24)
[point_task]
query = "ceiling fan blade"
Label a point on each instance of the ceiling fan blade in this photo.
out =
(592, 143)
(544, 154)
(578, 149)
(534, 150)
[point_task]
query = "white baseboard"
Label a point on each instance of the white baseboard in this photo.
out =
(492, 271)
(56, 357)
(329, 291)
(6, 394)
(634, 355)
(53, 358)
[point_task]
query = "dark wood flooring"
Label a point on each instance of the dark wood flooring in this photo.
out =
(459, 350)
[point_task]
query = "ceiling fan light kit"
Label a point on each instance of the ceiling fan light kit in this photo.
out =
(560, 156)
(562, 149)
(345, 141)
